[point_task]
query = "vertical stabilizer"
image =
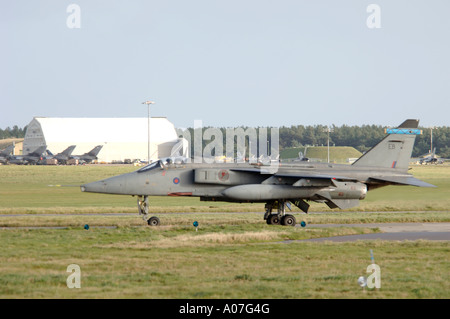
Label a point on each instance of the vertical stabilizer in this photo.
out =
(68, 151)
(395, 150)
(94, 152)
(7, 151)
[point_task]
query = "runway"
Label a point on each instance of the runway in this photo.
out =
(389, 231)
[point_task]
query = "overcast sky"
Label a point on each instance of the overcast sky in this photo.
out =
(227, 63)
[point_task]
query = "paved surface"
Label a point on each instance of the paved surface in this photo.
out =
(390, 231)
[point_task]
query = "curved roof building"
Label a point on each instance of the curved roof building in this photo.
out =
(122, 138)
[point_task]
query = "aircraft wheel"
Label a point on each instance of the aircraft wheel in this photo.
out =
(153, 221)
(274, 219)
(288, 220)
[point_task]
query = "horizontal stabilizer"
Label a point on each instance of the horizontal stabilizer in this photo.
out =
(403, 180)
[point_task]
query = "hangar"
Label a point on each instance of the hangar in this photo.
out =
(122, 138)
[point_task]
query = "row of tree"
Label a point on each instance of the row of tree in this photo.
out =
(360, 137)
(14, 132)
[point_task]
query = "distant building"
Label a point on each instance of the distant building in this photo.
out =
(122, 138)
(17, 142)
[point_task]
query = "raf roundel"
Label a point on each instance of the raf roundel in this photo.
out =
(224, 175)
(176, 180)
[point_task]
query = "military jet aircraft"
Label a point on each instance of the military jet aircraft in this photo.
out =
(5, 153)
(31, 158)
(336, 185)
(89, 156)
(431, 159)
(64, 156)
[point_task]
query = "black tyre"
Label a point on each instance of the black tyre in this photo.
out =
(153, 221)
(288, 220)
(274, 219)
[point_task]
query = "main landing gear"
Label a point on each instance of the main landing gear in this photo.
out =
(143, 210)
(279, 218)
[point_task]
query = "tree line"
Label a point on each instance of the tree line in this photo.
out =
(15, 132)
(361, 138)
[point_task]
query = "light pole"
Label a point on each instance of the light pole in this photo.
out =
(148, 104)
(328, 130)
(431, 139)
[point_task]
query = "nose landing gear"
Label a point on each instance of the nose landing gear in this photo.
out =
(143, 210)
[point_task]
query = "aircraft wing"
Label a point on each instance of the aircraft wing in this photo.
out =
(403, 180)
(296, 179)
(306, 174)
(315, 179)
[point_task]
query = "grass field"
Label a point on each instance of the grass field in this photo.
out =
(25, 189)
(212, 263)
(230, 256)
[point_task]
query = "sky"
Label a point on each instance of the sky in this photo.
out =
(227, 63)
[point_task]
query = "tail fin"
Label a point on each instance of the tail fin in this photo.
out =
(39, 151)
(395, 150)
(95, 150)
(7, 151)
(68, 151)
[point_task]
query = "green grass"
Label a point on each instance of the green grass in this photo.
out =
(215, 262)
(171, 219)
(230, 256)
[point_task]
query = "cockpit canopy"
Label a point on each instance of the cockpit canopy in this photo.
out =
(164, 162)
(150, 166)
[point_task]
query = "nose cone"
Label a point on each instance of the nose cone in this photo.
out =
(113, 185)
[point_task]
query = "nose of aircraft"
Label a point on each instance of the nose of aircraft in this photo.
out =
(112, 185)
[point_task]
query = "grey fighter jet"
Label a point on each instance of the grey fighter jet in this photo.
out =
(4, 154)
(89, 156)
(32, 158)
(431, 159)
(336, 185)
(64, 156)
